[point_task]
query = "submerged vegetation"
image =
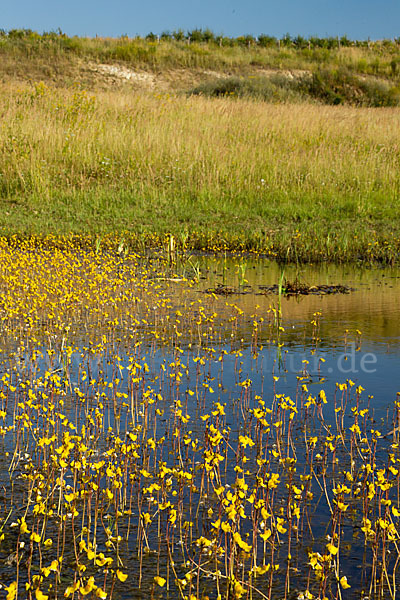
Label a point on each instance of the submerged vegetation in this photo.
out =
(138, 448)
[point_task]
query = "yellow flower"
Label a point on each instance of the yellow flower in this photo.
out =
(245, 441)
(101, 560)
(343, 582)
(54, 565)
(71, 589)
(146, 518)
(332, 549)
(263, 569)
(172, 516)
(279, 526)
(89, 587)
(70, 497)
(121, 576)
(266, 535)
(241, 543)
(23, 528)
(160, 581)
(12, 591)
(238, 589)
(203, 542)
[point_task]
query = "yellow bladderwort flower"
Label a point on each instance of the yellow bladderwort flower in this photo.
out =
(11, 591)
(279, 526)
(146, 518)
(90, 554)
(23, 528)
(265, 514)
(332, 549)
(367, 528)
(266, 535)
(241, 543)
(263, 569)
(88, 588)
(343, 583)
(245, 441)
(102, 560)
(172, 516)
(237, 588)
(273, 481)
(160, 580)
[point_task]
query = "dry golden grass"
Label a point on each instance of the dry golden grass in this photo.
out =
(196, 143)
(172, 160)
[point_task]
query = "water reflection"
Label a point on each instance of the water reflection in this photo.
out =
(373, 308)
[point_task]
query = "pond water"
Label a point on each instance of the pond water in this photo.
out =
(201, 444)
(370, 357)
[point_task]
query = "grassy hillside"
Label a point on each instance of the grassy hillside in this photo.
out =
(224, 144)
(305, 182)
(328, 70)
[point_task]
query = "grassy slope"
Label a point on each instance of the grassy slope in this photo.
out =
(309, 181)
(67, 60)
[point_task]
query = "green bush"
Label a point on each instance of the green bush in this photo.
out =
(270, 89)
(338, 86)
(342, 87)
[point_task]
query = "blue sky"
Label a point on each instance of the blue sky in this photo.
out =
(359, 19)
